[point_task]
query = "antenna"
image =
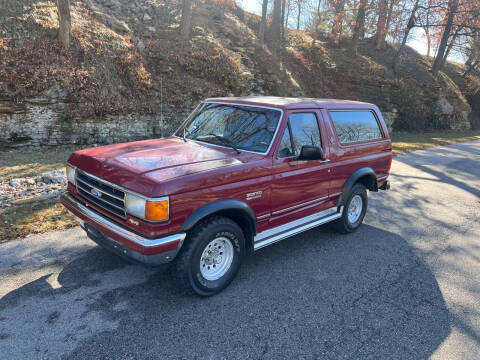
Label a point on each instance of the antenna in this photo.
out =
(161, 106)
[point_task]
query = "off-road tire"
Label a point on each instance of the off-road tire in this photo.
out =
(343, 224)
(187, 263)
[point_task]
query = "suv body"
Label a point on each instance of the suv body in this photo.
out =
(295, 164)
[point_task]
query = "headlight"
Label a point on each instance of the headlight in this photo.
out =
(152, 210)
(70, 170)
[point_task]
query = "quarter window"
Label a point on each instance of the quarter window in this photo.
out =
(286, 148)
(302, 130)
(356, 125)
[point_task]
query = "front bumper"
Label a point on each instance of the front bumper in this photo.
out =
(120, 240)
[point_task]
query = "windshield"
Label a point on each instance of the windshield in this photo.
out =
(243, 127)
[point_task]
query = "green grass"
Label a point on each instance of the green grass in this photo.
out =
(39, 216)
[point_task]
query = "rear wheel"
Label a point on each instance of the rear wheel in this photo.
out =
(211, 256)
(353, 211)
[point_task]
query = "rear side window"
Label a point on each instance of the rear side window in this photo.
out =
(356, 125)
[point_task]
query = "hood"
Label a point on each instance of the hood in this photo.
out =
(140, 165)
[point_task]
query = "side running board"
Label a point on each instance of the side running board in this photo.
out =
(284, 231)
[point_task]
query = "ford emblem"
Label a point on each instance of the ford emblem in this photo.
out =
(96, 193)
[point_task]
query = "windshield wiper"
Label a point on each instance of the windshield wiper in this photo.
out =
(223, 140)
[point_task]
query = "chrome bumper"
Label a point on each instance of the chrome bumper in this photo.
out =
(86, 217)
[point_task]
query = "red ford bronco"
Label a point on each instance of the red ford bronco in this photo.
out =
(239, 174)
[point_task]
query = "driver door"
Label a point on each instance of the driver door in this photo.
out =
(299, 187)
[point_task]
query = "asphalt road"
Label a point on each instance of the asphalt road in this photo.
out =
(406, 285)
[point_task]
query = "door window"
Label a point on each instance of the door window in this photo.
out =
(302, 130)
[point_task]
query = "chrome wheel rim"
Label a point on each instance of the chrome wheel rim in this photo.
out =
(355, 209)
(216, 259)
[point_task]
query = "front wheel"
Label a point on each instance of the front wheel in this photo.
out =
(353, 211)
(211, 256)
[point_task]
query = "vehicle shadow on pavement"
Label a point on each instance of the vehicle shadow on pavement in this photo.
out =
(315, 295)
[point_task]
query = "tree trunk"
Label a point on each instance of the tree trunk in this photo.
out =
(299, 13)
(429, 42)
(64, 19)
(359, 29)
(283, 19)
(470, 58)
(389, 16)
(381, 33)
(449, 48)
(287, 15)
(185, 23)
(338, 20)
(437, 64)
(276, 22)
(472, 66)
(263, 22)
(427, 29)
(410, 25)
(319, 18)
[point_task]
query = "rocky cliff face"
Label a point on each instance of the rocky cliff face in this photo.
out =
(43, 120)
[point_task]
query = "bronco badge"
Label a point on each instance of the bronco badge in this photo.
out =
(254, 195)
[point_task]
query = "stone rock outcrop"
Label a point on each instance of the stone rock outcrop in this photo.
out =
(454, 117)
(42, 121)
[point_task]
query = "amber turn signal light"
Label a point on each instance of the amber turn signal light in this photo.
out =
(156, 210)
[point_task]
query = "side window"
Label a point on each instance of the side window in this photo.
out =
(302, 130)
(356, 125)
(305, 131)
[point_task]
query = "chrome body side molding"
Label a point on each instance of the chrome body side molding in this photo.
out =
(284, 231)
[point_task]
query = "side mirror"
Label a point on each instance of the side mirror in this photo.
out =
(310, 152)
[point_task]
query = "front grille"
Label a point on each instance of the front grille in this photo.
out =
(101, 194)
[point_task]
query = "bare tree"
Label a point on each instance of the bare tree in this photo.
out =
(472, 66)
(391, 5)
(64, 19)
(452, 10)
(450, 46)
(474, 49)
(426, 28)
(359, 28)
(263, 22)
(276, 22)
(299, 12)
(287, 15)
(338, 6)
(186, 22)
(381, 34)
(410, 25)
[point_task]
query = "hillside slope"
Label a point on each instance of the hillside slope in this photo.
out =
(126, 58)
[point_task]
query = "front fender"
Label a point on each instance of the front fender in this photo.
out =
(236, 207)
